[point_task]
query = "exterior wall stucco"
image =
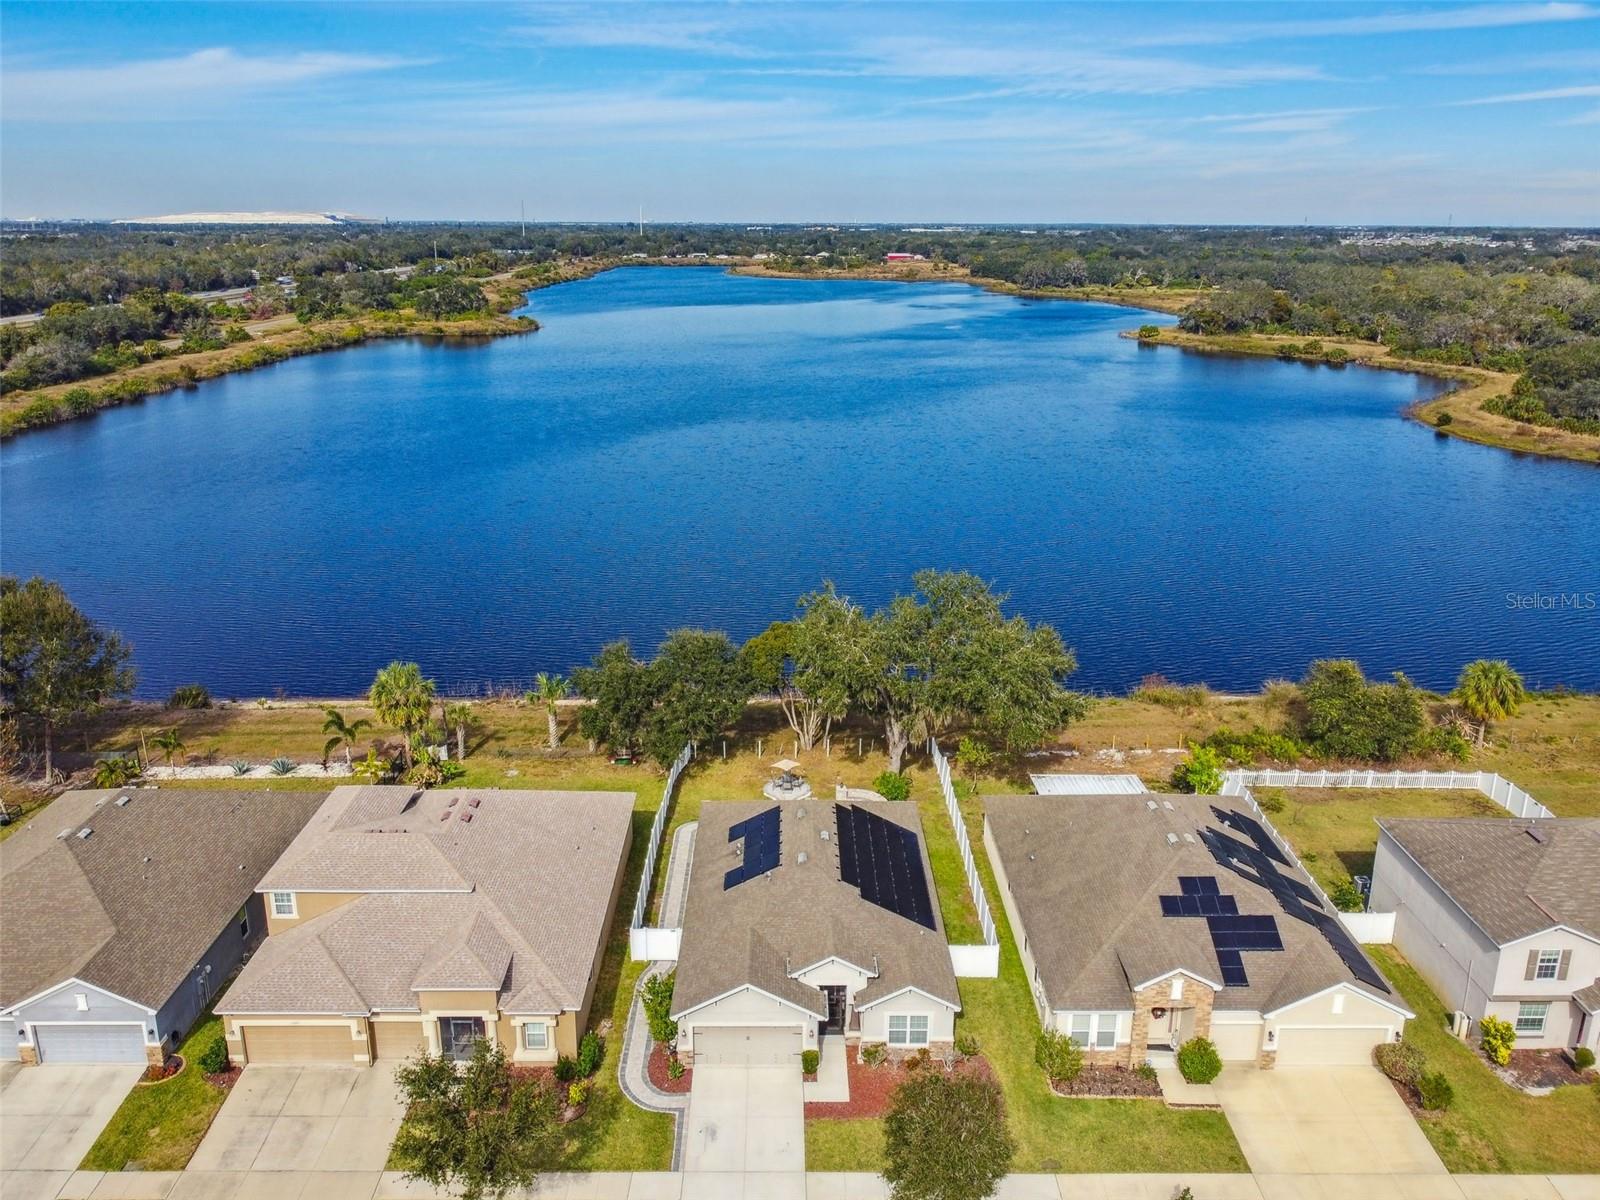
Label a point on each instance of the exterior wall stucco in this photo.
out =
(743, 1008)
(8, 1040)
(307, 905)
(941, 1020)
(1041, 1000)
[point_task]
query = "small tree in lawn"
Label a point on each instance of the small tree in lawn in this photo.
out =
(475, 1130)
(343, 733)
(549, 690)
(658, 1007)
(946, 1139)
(974, 758)
(1490, 690)
(458, 718)
(1201, 772)
(171, 744)
(403, 698)
(621, 692)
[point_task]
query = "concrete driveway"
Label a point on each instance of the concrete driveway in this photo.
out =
(304, 1119)
(745, 1119)
(51, 1114)
(1323, 1120)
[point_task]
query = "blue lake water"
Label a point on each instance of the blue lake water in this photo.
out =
(685, 447)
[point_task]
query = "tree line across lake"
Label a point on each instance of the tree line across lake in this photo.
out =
(941, 657)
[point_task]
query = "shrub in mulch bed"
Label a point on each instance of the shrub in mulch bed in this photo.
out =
(169, 1068)
(656, 1068)
(871, 1088)
(1540, 1069)
(1108, 1083)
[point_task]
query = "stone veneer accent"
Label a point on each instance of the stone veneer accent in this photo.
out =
(1266, 1059)
(1196, 996)
(28, 1056)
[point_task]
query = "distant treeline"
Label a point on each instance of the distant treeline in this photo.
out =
(1515, 300)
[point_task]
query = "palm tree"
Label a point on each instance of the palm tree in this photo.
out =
(1489, 690)
(549, 690)
(458, 716)
(403, 698)
(343, 731)
(170, 743)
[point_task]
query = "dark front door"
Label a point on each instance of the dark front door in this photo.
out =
(836, 1007)
(457, 1036)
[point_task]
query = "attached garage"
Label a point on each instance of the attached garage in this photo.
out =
(89, 1043)
(1348, 1046)
(397, 1039)
(749, 1046)
(1236, 1043)
(299, 1044)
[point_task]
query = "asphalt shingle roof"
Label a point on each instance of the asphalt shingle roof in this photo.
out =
(132, 907)
(461, 890)
(1513, 877)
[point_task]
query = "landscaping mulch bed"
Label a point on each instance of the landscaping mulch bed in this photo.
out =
(169, 1068)
(871, 1088)
(1103, 1083)
(656, 1068)
(226, 1079)
(1541, 1069)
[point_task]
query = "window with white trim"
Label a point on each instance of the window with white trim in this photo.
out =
(908, 1029)
(283, 904)
(536, 1036)
(1531, 1016)
(243, 917)
(1093, 1029)
(1548, 964)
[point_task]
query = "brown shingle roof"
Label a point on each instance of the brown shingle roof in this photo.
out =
(1086, 874)
(464, 889)
(134, 906)
(1512, 877)
(799, 914)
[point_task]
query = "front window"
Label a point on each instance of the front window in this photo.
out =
(1098, 1030)
(1105, 1031)
(458, 1035)
(535, 1036)
(1549, 964)
(907, 1030)
(1530, 1017)
(1082, 1023)
(243, 918)
(283, 904)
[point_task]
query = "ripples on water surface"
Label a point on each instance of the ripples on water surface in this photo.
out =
(682, 447)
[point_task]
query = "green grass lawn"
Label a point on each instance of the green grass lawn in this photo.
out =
(844, 1145)
(1492, 1126)
(159, 1127)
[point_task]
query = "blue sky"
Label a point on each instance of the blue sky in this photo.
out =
(1379, 113)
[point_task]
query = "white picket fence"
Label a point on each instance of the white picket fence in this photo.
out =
(969, 961)
(1499, 789)
(649, 943)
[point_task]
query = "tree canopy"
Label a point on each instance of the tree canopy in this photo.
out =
(945, 1138)
(1490, 690)
(403, 698)
(1348, 717)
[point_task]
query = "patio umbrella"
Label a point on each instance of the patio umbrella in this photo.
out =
(786, 765)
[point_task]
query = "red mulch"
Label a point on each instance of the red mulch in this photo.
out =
(871, 1088)
(656, 1067)
(1542, 1069)
(1102, 1082)
(170, 1067)
(226, 1079)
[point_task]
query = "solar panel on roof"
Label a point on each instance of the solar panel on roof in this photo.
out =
(1233, 972)
(761, 852)
(884, 860)
(843, 816)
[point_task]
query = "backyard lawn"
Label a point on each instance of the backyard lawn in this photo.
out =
(1492, 1126)
(159, 1127)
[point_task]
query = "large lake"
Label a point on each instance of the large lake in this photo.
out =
(687, 447)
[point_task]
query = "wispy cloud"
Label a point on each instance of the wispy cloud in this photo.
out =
(636, 30)
(143, 87)
(1559, 93)
(1296, 120)
(1419, 20)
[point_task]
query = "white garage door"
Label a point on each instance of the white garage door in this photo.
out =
(90, 1043)
(1328, 1047)
(750, 1047)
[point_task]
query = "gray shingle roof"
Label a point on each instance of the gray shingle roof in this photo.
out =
(799, 914)
(1087, 873)
(462, 890)
(1513, 877)
(132, 907)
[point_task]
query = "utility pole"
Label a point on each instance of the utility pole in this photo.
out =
(641, 220)
(524, 209)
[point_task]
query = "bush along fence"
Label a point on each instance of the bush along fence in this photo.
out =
(1498, 788)
(969, 961)
(652, 943)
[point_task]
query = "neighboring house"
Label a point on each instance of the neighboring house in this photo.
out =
(807, 918)
(125, 911)
(1144, 921)
(402, 920)
(1501, 917)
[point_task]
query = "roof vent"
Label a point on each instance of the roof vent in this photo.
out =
(1189, 837)
(445, 815)
(454, 800)
(826, 836)
(122, 801)
(83, 834)
(65, 833)
(1535, 833)
(101, 803)
(799, 814)
(1167, 804)
(1172, 839)
(474, 801)
(466, 817)
(1150, 804)
(801, 857)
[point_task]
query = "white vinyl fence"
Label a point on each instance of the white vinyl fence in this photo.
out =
(1499, 789)
(648, 943)
(1370, 928)
(970, 961)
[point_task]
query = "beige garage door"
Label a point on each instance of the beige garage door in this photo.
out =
(1236, 1043)
(397, 1039)
(1328, 1047)
(299, 1044)
(752, 1047)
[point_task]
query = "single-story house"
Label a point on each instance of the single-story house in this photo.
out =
(805, 919)
(1145, 921)
(1501, 917)
(403, 920)
(124, 911)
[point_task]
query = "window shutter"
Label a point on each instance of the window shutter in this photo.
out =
(1566, 961)
(1533, 963)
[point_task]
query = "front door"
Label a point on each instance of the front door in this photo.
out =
(836, 1007)
(1160, 1028)
(458, 1035)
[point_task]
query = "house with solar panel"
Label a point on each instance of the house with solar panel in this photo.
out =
(805, 920)
(1145, 921)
